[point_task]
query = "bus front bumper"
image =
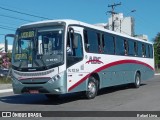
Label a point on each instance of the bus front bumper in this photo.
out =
(50, 87)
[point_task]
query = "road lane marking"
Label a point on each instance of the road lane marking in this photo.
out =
(6, 90)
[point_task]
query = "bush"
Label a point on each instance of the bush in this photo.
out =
(5, 80)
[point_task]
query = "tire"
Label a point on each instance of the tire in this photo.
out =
(137, 81)
(52, 96)
(92, 88)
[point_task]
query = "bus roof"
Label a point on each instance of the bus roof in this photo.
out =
(76, 22)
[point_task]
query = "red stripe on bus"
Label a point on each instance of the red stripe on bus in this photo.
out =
(110, 65)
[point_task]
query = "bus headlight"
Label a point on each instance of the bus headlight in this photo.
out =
(56, 78)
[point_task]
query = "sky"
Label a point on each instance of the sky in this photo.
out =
(146, 17)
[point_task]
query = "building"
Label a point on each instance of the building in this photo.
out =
(122, 24)
(142, 36)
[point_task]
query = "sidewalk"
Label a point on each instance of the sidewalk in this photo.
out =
(5, 86)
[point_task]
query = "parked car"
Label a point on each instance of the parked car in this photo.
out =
(4, 72)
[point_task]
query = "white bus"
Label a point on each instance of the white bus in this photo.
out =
(64, 56)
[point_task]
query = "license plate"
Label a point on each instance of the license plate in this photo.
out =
(33, 91)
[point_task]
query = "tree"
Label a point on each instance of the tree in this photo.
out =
(5, 60)
(157, 50)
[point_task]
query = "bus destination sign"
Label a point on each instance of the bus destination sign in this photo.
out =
(27, 34)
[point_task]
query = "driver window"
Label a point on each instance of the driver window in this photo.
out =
(77, 52)
(74, 55)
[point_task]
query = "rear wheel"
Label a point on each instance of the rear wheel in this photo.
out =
(92, 88)
(137, 81)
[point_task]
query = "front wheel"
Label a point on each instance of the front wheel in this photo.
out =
(92, 88)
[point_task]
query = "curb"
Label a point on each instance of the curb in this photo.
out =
(6, 90)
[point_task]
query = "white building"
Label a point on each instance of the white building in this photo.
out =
(122, 24)
(2, 49)
(142, 36)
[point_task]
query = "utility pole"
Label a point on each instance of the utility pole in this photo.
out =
(112, 12)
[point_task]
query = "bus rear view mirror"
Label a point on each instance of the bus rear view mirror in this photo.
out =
(6, 41)
(75, 42)
(6, 45)
(72, 38)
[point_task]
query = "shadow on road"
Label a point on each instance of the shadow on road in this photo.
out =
(116, 88)
(40, 99)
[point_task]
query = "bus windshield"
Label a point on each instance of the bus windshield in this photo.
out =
(36, 49)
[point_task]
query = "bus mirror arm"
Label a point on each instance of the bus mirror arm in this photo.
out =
(6, 41)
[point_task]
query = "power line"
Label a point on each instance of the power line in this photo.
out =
(10, 24)
(16, 18)
(23, 13)
(7, 28)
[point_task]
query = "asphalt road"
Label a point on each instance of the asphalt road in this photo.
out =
(120, 98)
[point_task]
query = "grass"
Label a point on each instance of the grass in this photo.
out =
(157, 70)
(5, 80)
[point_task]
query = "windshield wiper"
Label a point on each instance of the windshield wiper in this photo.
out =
(43, 63)
(35, 61)
(20, 64)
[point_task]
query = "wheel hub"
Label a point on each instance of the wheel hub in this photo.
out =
(91, 88)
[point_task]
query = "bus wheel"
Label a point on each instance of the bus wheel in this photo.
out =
(92, 88)
(52, 96)
(137, 81)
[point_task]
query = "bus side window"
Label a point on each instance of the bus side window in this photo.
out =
(147, 51)
(109, 44)
(131, 51)
(93, 41)
(103, 45)
(119, 46)
(135, 49)
(99, 43)
(143, 50)
(125, 47)
(139, 49)
(151, 51)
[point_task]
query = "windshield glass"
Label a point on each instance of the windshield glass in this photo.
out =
(40, 48)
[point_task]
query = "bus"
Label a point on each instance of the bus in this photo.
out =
(55, 57)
